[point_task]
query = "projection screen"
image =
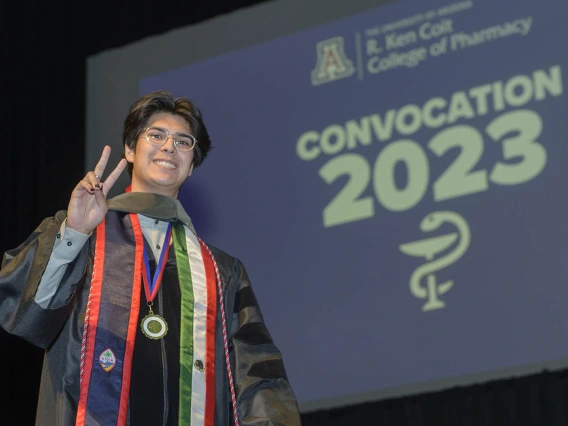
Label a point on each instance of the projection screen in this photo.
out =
(390, 174)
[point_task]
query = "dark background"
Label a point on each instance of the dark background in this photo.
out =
(42, 133)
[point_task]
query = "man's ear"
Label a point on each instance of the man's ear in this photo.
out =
(128, 154)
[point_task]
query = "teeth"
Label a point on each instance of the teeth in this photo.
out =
(165, 164)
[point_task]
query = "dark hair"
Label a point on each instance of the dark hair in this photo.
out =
(163, 102)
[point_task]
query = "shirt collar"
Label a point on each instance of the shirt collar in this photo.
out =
(152, 205)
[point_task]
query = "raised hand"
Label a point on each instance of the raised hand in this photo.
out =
(88, 207)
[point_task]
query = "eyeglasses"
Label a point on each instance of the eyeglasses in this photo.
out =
(158, 136)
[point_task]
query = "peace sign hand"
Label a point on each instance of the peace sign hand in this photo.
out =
(88, 207)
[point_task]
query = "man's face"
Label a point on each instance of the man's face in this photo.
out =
(160, 169)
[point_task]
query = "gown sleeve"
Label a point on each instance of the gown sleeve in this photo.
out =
(263, 392)
(20, 275)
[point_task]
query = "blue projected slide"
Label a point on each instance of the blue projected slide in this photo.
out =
(395, 183)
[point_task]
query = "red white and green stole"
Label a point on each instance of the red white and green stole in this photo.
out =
(111, 321)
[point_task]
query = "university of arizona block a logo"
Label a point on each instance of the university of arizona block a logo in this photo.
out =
(332, 62)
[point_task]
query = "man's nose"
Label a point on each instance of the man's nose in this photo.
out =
(169, 145)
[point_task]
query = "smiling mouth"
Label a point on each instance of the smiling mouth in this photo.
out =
(165, 164)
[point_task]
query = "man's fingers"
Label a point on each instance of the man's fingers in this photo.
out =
(101, 165)
(86, 185)
(93, 180)
(100, 198)
(113, 177)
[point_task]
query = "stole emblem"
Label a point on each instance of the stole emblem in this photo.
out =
(107, 360)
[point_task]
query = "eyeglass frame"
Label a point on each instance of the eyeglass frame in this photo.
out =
(168, 134)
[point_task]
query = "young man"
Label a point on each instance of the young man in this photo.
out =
(142, 322)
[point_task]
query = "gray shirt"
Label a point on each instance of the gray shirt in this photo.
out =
(69, 243)
(159, 211)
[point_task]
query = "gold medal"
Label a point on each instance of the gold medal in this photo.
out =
(154, 326)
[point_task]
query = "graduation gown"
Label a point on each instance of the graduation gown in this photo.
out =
(72, 349)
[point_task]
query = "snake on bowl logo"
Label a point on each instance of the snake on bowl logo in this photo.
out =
(429, 248)
(107, 360)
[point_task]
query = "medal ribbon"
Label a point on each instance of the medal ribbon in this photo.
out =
(151, 287)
